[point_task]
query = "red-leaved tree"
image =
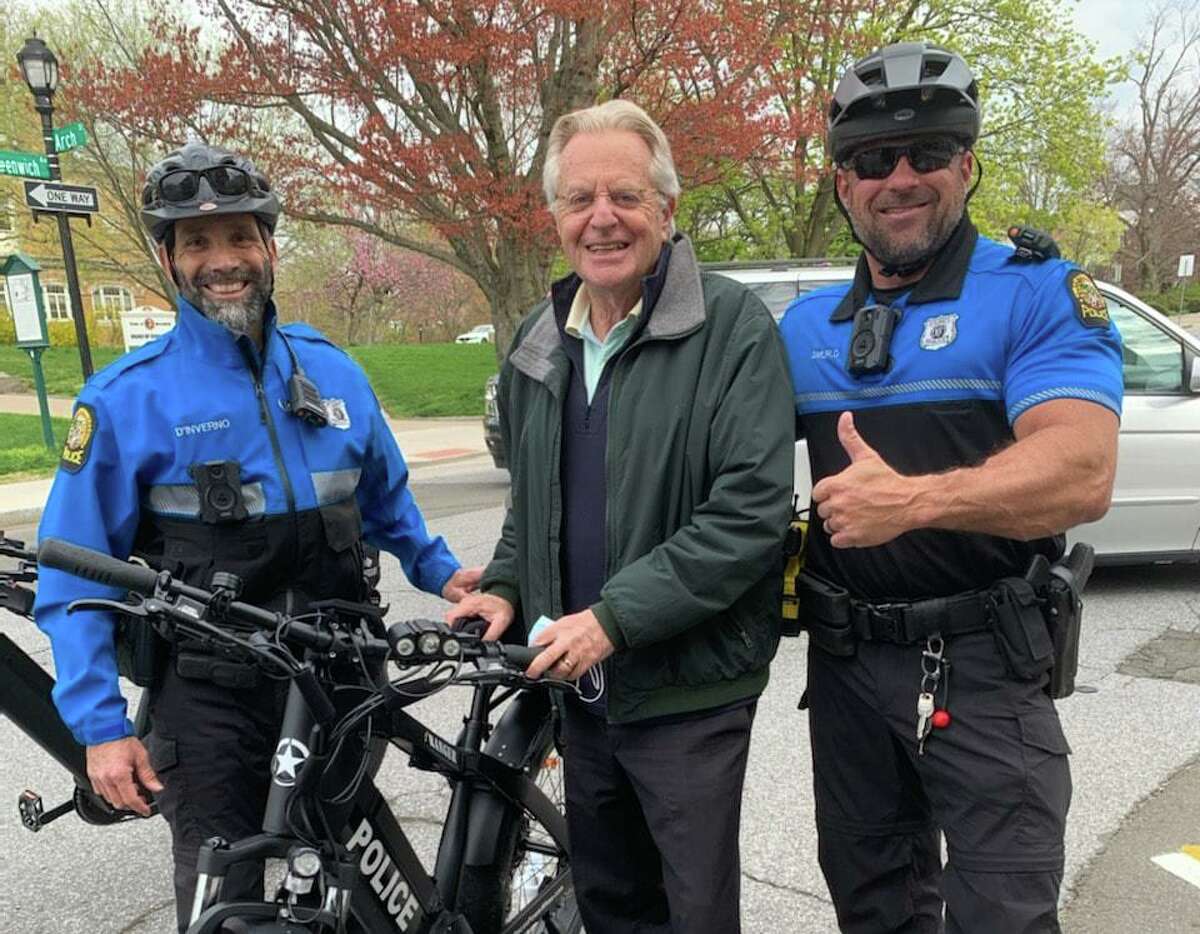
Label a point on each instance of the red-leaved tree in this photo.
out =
(384, 114)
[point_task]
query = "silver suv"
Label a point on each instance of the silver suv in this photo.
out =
(778, 282)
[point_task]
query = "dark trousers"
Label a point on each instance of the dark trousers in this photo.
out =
(653, 813)
(211, 747)
(995, 782)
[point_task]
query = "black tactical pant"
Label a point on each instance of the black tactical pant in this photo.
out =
(653, 814)
(995, 782)
(211, 747)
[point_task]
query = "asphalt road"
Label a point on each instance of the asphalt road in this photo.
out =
(1133, 738)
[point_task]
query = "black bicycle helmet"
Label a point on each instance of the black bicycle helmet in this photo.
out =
(904, 89)
(159, 213)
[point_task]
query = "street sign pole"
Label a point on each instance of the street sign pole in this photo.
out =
(43, 106)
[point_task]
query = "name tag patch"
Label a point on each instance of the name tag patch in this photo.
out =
(201, 428)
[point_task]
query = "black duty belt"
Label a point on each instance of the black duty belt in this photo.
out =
(909, 623)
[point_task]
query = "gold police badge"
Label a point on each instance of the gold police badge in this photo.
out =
(79, 439)
(1090, 305)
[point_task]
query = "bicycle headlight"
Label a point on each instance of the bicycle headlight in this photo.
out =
(406, 646)
(451, 648)
(429, 643)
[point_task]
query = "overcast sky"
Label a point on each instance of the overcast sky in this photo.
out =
(1114, 26)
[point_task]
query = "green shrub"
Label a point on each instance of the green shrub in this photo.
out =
(1168, 302)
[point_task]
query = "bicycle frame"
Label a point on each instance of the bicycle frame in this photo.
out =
(360, 839)
(394, 891)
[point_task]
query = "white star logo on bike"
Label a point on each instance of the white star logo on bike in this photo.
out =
(289, 756)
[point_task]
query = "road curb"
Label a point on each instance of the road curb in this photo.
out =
(15, 517)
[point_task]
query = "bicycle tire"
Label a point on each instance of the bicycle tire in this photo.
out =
(489, 896)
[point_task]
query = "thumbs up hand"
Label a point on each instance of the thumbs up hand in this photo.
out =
(868, 503)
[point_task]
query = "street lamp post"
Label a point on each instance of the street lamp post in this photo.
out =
(39, 67)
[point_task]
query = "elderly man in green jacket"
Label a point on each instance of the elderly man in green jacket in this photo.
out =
(647, 408)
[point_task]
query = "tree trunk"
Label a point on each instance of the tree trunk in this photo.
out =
(519, 281)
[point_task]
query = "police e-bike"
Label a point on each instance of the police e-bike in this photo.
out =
(502, 865)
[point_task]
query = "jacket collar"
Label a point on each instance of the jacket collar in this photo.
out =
(672, 303)
(216, 342)
(943, 281)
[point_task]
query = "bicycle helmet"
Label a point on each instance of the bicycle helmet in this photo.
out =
(904, 89)
(247, 190)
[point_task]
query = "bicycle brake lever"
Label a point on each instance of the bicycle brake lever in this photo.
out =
(114, 606)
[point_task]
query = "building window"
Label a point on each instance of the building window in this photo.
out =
(111, 299)
(58, 304)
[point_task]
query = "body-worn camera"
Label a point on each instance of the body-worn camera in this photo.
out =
(871, 340)
(304, 401)
(220, 487)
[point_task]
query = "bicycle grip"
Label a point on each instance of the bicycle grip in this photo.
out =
(96, 566)
(521, 656)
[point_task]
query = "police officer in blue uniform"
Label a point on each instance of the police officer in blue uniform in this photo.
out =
(231, 444)
(961, 405)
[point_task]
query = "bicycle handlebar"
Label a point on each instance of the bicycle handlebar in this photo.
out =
(105, 569)
(96, 566)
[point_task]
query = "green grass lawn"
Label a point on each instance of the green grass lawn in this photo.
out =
(411, 380)
(426, 380)
(59, 364)
(22, 451)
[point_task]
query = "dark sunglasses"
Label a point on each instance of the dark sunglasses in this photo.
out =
(182, 185)
(924, 155)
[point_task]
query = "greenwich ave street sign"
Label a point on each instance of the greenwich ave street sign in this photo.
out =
(23, 163)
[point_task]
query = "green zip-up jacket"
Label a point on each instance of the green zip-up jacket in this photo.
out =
(699, 479)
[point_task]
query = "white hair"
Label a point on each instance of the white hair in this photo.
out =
(612, 115)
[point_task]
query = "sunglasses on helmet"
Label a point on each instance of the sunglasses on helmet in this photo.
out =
(924, 155)
(182, 185)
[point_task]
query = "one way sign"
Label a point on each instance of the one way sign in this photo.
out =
(71, 199)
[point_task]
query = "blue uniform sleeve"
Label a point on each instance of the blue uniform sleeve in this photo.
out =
(391, 519)
(94, 503)
(1063, 346)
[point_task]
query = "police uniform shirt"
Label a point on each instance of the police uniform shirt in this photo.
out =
(304, 494)
(981, 339)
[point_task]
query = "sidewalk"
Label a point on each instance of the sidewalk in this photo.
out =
(424, 441)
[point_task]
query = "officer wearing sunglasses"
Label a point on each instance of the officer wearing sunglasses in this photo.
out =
(232, 444)
(961, 406)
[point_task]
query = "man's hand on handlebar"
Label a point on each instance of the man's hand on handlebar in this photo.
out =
(120, 773)
(496, 610)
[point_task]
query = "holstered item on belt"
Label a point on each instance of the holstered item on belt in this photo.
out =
(1063, 610)
(141, 651)
(223, 672)
(1019, 626)
(824, 608)
(793, 565)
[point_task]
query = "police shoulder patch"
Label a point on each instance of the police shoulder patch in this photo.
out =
(1090, 305)
(79, 439)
